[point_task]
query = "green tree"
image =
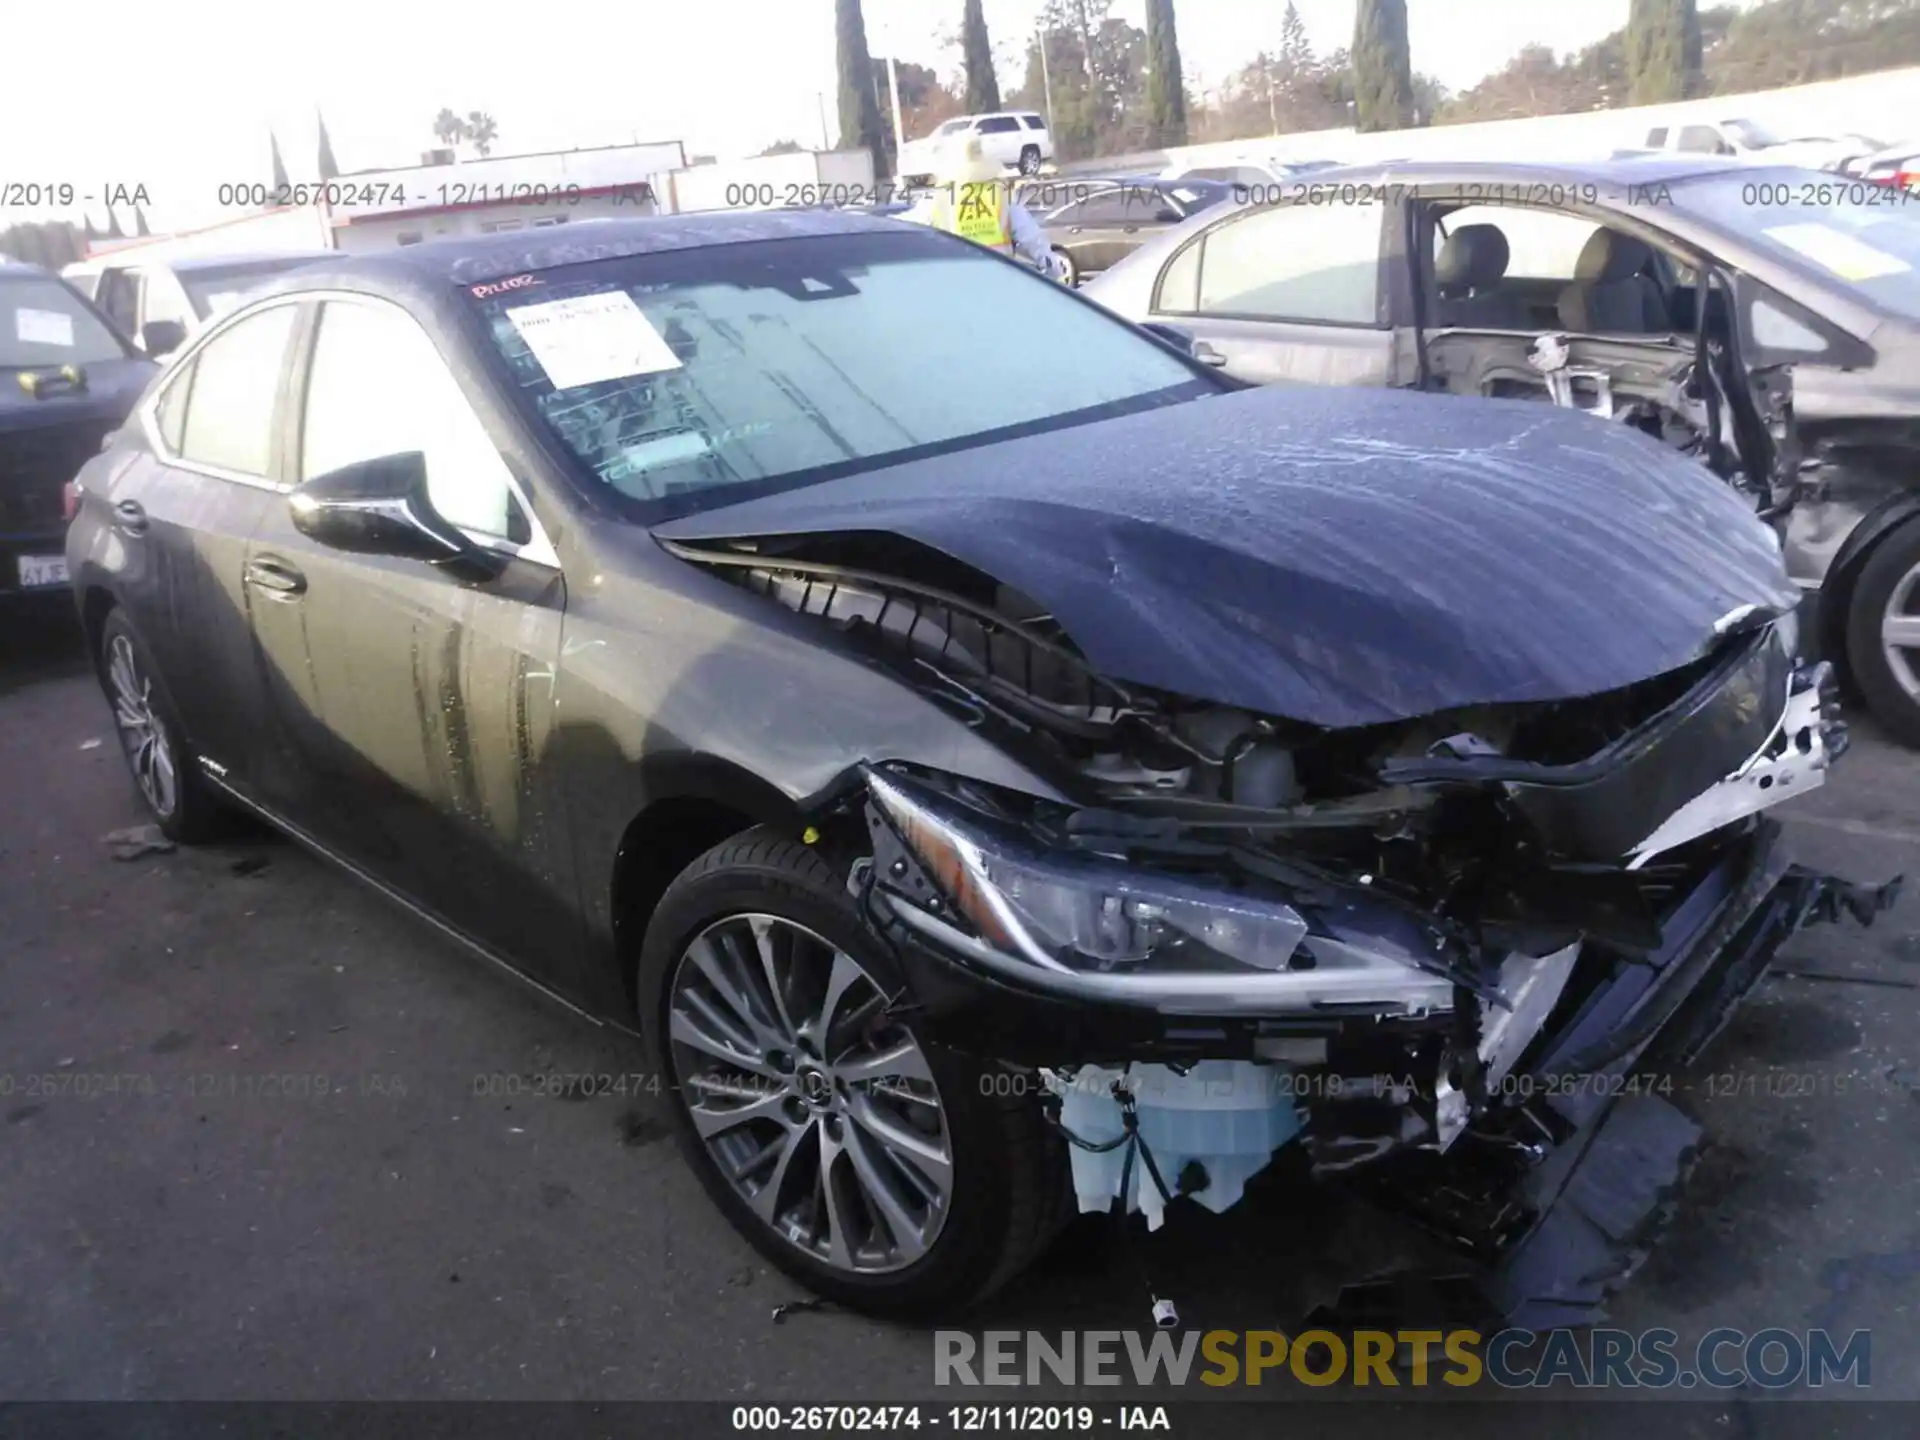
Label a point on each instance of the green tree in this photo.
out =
(860, 127)
(480, 131)
(329, 167)
(1382, 67)
(52, 243)
(448, 128)
(1663, 51)
(114, 232)
(1296, 51)
(140, 221)
(1166, 90)
(983, 88)
(280, 181)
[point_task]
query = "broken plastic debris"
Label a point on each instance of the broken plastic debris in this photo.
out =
(135, 841)
(93, 744)
(797, 1307)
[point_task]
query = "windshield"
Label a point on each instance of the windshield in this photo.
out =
(953, 127)
(1873, 249)
(215, 289)
(697, 378)
(43, 323)
(1197, 195)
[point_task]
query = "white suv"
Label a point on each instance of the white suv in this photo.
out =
(1017, 139)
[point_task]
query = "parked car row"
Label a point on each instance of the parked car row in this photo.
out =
(77, 349)
(988, 801)
(1754, 141)
(159, 303)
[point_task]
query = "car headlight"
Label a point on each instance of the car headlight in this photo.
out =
(1085, 913)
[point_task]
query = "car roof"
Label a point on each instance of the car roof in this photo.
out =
(186, 264)
(474, 259)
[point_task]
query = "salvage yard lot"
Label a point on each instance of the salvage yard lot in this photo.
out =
(266, 1136)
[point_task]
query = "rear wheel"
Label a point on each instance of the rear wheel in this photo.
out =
(1069, 269)
(163, 769)
(1030, 160)
(1883, 633)
(867, 1162)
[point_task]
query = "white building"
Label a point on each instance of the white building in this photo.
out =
(380, 209)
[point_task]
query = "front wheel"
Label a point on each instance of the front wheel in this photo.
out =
(1069, 268)
(875, 1167)
(1883, 633)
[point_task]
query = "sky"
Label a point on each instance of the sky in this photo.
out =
(203, 82)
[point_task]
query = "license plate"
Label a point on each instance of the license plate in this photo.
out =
(39, 571)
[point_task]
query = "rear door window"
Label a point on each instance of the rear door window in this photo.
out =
(236, 381)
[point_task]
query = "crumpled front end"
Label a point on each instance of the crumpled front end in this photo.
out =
(1443, 957)
(1437, 954)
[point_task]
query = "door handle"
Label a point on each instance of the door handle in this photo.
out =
(275, 576)
(130, 516)
(1206, 354)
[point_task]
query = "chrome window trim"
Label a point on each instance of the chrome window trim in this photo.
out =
(539, 550)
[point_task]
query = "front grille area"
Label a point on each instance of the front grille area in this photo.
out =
(34, 467)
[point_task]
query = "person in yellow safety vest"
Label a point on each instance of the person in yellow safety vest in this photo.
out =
(972, 200)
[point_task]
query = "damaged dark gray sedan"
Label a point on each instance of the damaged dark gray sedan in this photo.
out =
(986, 771)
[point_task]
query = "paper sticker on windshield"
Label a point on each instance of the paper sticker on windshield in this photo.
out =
(590, 338)
(1839, 252)
(44, 327)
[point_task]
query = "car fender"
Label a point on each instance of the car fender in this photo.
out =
(678, 685)
(1836, 591)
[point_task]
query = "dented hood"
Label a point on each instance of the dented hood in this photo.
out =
(1341, 557)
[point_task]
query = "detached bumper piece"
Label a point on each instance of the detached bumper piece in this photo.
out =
(1559, 1197)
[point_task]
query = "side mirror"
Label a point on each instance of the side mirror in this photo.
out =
(1174, 335)
(378, 507)
(1167, 215)
(162, 337)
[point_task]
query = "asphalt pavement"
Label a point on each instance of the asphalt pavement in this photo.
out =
(263, 1135)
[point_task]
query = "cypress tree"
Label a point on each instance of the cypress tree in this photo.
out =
(859, 111)
(329, 167)
(983, 89)
(1663, 51)
(1382, 66)
(1166, 90)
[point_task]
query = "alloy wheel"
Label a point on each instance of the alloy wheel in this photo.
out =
(1900, 632)
(142, 736)
(818, 1108)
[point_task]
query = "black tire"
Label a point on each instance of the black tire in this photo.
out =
(195, 814)
(1030, 160)
(1010, 1171)
(1897, 555)
(1070, 271)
